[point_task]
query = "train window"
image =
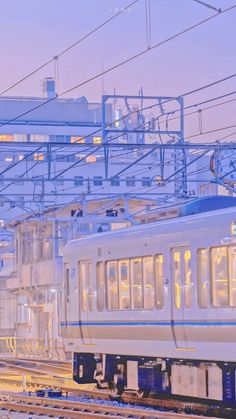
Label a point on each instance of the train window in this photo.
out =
(136, 282)
(100, 286)
(232, 274)
(112, 286)
(124, 284)
(83, 285)
(219, 273)
(89, 285)
(159, 281)
(187, 279)
(177, 278)
(148, 277)
(203, 277)
(67, 283)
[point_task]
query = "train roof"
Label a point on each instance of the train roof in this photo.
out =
(195, 208)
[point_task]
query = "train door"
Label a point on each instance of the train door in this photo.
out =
(84, 306)
(181, 292)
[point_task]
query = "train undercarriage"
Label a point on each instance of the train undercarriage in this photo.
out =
(195, 380)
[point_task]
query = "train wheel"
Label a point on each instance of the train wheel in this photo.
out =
(142, 394)
(116, 387)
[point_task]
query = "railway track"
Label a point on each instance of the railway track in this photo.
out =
(178, 406)
(71, 409)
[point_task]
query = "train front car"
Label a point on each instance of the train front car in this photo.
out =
(152, 308)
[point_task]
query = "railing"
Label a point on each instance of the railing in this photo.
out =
(32, 348)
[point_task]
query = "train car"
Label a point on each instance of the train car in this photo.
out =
(152, 308)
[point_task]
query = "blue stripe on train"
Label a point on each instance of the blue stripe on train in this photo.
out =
(168, 323)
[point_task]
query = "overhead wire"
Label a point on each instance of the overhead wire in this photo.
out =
(125, 61)
(69, 48)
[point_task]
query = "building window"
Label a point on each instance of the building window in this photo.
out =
(8, 158)
(1, 179)
(130, 180)
(27, 242)
(76, 139)
(91, 159)
(97, 140)
(38, 138)
(38, 156)
(146, 181)
(97, 180)
(115, 181)
(21, 138)
(6, 137)
(78, 180)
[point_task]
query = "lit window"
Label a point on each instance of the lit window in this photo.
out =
(100, 281)
(203, 277)
(38, 156)
(91, 159)
(148, 278)
(232, 274)
(112, 285)
(97, 140)
(21, 156)
(8, 158)
(219, 272)
(124, 285)
(38, 138)
(83, 285)
(177, 278)
(159, 281)
(187, 279)
(20, 138)
(136, 271)
(6, 137)
(80, 140)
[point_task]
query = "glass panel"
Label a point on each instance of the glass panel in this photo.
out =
(203, 278)
(159, 281)
(100, 281)
(187, 279)
(112, 285)
(67, 284)
(83, 286)
(137, 283)
(177, 278)
(219, 270)
(124, 285)
(148, 277)
(232, 274)
(89, 282)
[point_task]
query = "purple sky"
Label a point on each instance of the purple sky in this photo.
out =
(33, 31)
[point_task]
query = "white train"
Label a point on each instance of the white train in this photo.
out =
(152, 308)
